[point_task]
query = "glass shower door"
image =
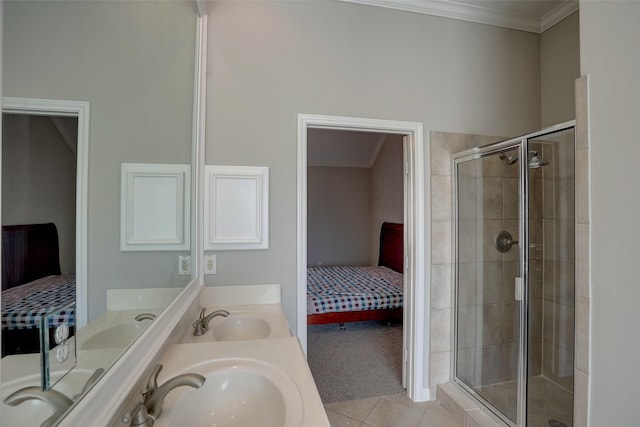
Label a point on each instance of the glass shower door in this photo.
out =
(488, 276)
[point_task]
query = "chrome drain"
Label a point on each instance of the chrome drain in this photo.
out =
(556, 423)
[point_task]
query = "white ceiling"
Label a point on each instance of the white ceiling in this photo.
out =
(528, 15)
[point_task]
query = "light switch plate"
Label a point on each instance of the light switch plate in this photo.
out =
(210, 264)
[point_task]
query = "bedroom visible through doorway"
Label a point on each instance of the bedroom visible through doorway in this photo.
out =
(39, 180)
(415, 359)
(71, 119)
(39, 176)
(355, 235)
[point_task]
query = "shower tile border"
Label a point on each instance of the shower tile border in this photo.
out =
(583, 256)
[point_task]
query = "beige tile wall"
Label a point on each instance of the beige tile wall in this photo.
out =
(443, 145)
(558, 261)
(488, 203)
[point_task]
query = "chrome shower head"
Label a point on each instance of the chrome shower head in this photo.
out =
(537, 161)
(507, 159)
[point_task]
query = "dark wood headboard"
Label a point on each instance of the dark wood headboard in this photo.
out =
(392, 246)
(29, 252)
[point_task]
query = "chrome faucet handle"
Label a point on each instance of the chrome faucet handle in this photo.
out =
(145, 413)
(201, 325)
(155, 401)
(139, 417)
(198, 325)
(152, 384)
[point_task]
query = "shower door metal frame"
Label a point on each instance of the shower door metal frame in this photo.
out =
(522, 144)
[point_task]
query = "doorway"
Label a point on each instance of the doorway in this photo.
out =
(414, 355)
(76, 112)
(355, 215)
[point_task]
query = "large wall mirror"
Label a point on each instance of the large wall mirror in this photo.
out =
(127, 70)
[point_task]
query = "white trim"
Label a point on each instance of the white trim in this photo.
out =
(81, 110)
(558, 13)
(416, 216)
(229, 190)
(199, 128)
(167, 223)
(477, 13)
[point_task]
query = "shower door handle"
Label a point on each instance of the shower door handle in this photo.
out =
(519, 288)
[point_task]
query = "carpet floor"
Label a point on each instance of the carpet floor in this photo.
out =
(364, 360)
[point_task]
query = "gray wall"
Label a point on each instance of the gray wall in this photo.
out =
(387, 190)
(338, 215)
(609, 34)
(269, 61)
(559, 68)
(133, 61)
(39, 180)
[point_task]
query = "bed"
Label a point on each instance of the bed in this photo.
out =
(340, 294)
(32, 286)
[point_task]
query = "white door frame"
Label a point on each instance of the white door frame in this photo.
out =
(416, 329)
(79, 109)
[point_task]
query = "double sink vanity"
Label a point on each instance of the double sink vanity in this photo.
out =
(244, 369)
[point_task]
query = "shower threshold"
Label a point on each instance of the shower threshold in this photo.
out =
(549, 404)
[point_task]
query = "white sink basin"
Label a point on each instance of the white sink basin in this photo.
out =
(236, 393)
(244, 323)
(238, 327)
(116, 336)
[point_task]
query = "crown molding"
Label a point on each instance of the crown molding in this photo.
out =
(557, 14)
(476, 13)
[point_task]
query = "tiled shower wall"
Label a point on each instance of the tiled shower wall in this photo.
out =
(558, 264)
(443, 145)
(488, 313)
(583, 278)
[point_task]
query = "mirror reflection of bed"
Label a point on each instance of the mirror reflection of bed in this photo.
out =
(355, 210)
(38, 224)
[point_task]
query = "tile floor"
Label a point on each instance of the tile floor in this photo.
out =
(396, 410)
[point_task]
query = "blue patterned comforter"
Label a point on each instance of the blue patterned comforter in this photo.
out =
(23, 306)
(341, 289)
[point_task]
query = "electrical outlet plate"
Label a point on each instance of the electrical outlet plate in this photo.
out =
(184, 265)
(210, 264)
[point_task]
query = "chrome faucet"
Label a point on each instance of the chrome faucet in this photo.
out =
(147, 412)
(53, 398)
(56, 400)
(145, 316)
(201, 325)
